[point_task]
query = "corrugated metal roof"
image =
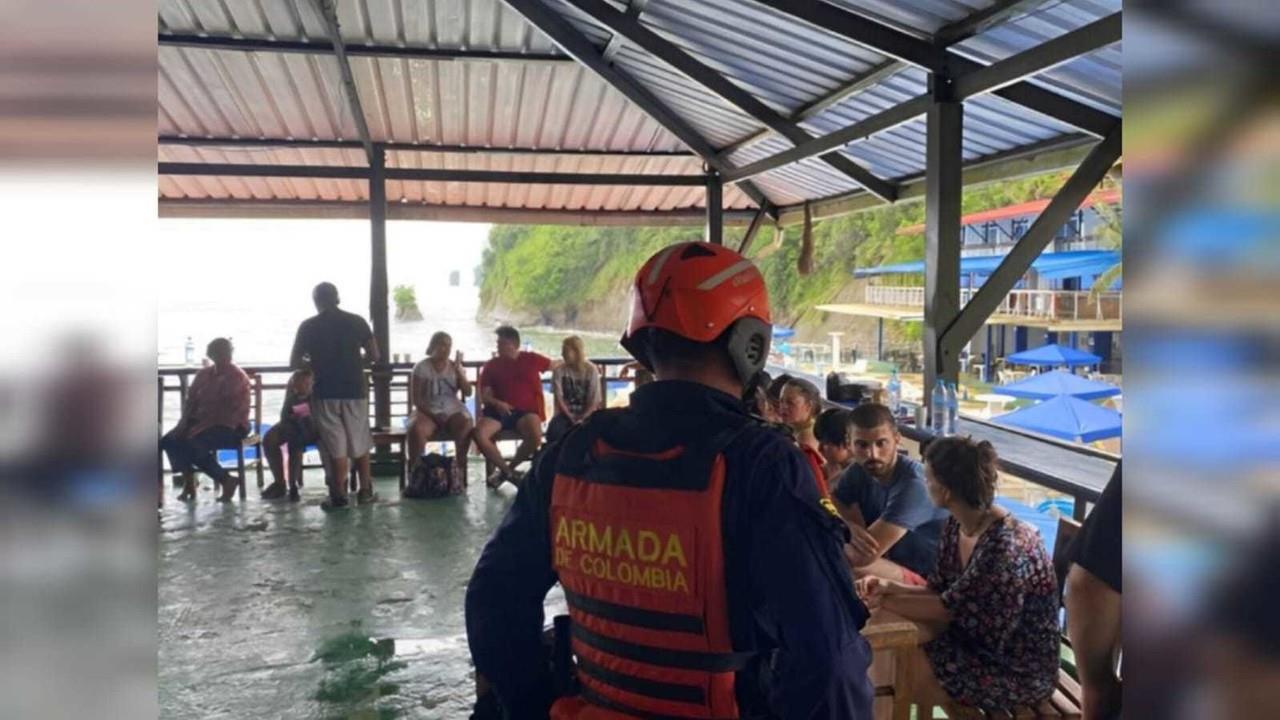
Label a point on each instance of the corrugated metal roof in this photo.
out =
(784, 62)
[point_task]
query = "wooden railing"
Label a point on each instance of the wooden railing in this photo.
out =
(1041, 304)
(274, 379)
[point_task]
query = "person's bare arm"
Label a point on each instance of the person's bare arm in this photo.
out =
(559, 398)
(870, 545)
(464, 385)
(486, 395)
(1093, 624)
(918, 604)
(419, 403)
(851, 514)
(371, 354)
(297, 357)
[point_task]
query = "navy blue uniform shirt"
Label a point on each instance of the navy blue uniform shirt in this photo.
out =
(790, 593)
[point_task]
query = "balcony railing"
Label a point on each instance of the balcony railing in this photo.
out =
(1041, 304)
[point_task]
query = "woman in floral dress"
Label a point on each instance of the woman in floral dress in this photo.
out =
(988, 616)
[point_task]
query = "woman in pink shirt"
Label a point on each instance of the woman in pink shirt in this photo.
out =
(216, 415)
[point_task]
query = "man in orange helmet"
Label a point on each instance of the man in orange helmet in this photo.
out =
(704, 577)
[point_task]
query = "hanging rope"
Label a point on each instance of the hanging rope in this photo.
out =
(805, 262)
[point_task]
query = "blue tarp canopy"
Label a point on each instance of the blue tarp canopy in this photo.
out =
(1067, 418)
(1053, 355)
(783, 332)
(1058, 382)
(1054, 266)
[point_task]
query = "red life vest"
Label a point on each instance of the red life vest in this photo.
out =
(636, 541)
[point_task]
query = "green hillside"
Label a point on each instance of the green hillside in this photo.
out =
(577, 276)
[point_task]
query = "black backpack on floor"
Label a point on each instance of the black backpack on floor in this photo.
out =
(435, 476)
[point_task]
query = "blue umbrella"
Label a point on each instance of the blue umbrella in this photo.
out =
(1058, 382)
(783, 332)
(1066, 417)
(1053, 355)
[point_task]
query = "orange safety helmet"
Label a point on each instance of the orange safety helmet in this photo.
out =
(704, 293)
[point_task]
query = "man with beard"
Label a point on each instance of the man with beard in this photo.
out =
(899, 540)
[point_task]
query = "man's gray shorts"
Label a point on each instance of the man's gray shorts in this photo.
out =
(343, 426)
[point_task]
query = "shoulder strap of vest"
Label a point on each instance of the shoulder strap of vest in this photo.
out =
(682, 466)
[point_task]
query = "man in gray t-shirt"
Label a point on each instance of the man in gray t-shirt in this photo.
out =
(336, 346)
(894, 526)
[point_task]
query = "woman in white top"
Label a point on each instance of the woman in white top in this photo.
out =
(437, 386)
(576, 387)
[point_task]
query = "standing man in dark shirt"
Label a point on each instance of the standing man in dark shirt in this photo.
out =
(337, 345)
(703, 575)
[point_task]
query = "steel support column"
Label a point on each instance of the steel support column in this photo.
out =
(943, 189)
(378, 310)
(1092, 169)
(715, 209)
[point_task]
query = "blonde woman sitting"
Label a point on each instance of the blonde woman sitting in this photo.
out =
(576, 388)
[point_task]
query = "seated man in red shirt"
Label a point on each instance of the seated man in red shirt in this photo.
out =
(511, 390)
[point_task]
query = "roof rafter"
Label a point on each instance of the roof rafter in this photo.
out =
(299, 143)
(990, 78)
(305, 47)
(330, 14)
(345, 172)
(670, 53)
(983, 20)
(921, 53)
(580, 48)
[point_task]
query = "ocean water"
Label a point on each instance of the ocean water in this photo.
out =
(252, 281)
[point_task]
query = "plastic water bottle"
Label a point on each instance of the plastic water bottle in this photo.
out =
(938, 408)
(894, 389)
(953, 408)
(190, 351)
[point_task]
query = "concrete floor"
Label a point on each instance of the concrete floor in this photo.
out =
(281, 610)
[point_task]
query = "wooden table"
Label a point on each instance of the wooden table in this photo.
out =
(892, 640)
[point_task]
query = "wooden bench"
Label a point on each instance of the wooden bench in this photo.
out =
(892, 640)
(1064, 704)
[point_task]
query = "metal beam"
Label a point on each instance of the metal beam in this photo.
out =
(921, 53)
(872, 77)
(634, 8)
(341, 172)
(713, 81)
(300, 143)
(984, 302)
(1081, 41)
(983, 20)
(943, 191)
(330, 14)
(750, 235)
(1061, 153)
(881, 121)
(575, 44)
(715, 210)
(978, 79)
(206, 208)
(378, 309)
(305, 47)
